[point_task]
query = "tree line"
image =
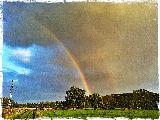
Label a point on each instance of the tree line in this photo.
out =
(76, 99)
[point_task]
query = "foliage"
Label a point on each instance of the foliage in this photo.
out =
(75, 98)
(6, 102)
(143, 99)
(95, 100)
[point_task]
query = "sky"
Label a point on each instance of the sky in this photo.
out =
(102, 48)
(115, 1)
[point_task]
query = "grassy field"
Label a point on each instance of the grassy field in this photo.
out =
(79, 113)
(103, 113)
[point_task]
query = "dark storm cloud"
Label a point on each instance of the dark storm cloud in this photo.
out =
(20, 28)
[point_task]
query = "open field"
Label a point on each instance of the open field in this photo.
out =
(81, 113)
(103, 113)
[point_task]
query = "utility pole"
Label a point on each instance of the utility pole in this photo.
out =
(11, 93)
(10, 98)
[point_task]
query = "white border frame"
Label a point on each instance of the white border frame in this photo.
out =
(54, 1)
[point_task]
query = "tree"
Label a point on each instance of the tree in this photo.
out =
(87, 102)
(6, 102)
(75, 97)
(109, 102)
(95, 100)
(144, 99)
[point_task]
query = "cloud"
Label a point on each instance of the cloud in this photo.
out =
(18, 69)
(47, 71)
(111, 43)
(22, 54)
(9, 64)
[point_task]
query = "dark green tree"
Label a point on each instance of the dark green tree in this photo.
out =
(95, 100)
(87, 102)
(6, 102)
(109, 102)
(144, 99)
(75, 98)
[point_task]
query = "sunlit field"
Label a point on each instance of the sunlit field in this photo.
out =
(83, 113)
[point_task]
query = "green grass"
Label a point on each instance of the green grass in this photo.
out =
(21, 115)
(153, 114)
(80, 113)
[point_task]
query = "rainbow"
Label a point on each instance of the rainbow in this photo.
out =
(77, 66)
(72, 58)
